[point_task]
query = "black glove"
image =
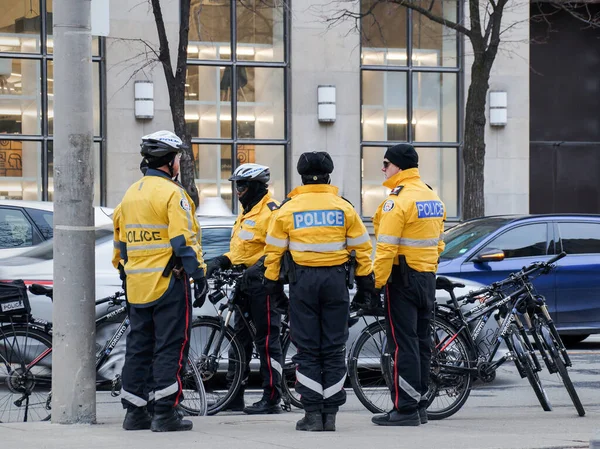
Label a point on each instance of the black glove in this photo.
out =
(200, 291)
(272, 287)
(255, 272)
(365, 283)
(218, 263)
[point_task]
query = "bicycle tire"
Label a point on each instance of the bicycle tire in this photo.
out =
(24, 392)
(366, 365)
(219, 391)
(525, 366)
(553, 348)
(288, 378)
(194, 395)
(455, 387)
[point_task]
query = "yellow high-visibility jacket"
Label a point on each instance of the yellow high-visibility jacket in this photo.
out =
(116, 256)
(250, 232)
(319, 228)
(409, 222)
(158, 220)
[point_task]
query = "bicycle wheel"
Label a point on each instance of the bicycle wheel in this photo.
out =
(214, 350)
(542, 328)
(194, 396)
(369, 368)
(525, 365)
(24, 389)
(449, 385)
(288, 378)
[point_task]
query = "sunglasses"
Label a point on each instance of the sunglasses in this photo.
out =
(386, 164)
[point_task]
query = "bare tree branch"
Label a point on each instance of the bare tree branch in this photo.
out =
(164, 52)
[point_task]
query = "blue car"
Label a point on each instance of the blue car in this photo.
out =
(489, 249)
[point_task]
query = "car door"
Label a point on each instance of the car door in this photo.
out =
(578, 275)
(523, 244)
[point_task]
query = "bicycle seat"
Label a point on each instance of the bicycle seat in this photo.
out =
(442, 283)
(38, 289)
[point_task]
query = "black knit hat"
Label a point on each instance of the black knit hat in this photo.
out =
(403, 156)
(315, 163)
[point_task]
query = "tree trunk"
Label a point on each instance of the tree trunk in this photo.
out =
(473, 200)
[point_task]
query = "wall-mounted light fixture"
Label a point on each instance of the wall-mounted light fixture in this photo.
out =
(498, 108)
(326, 103)
(144, 99)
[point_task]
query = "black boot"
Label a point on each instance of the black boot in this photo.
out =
(423, 415)
(329, 422)
(237, 402)
(312, 422)
(137, 418)
(395, 418)
(264, 407)
(169, 421)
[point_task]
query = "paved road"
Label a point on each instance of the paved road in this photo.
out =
(504, 414)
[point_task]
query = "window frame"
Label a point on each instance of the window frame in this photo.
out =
(559, 237)
(489, 242)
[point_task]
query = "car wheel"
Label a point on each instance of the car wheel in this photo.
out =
(569, 340)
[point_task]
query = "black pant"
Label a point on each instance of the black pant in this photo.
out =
(409, 311)
(265, 312)
(157, 347)
(319, 309)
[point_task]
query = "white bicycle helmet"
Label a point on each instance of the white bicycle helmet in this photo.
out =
(251, 172)
(160, 144)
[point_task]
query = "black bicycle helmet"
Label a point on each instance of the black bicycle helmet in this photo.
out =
(160, 144)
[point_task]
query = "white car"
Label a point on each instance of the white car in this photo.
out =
(25, 224)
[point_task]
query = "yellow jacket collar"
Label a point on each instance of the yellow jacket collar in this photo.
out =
(314, 188)
(400, 177)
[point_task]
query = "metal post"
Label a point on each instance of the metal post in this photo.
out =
(73, 370)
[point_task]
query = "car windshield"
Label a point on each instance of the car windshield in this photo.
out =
(45, 250)
(464, 237)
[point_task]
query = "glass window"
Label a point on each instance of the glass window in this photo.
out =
(20, 26)
(373, 192)
(215, 241)
(432, 43)
(580, 238)
(260, 111)
(213, 170)
(273, 156)
(20, 170)
(43, 219)
(20, 104)
(96, 161)
(434, 107)
(523, 241)
(463, 237)
(383, 33)
(384, 106)
(15, 229)
(210, 30)
(259, 30)
(96, 97)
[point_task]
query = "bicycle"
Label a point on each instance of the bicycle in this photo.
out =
(216, 348)
(26, 363)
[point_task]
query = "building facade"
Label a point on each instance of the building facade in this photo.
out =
(254, 68)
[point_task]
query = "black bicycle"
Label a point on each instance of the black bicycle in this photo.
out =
(216, 348)
(26, 363)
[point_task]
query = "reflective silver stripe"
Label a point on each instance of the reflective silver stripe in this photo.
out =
(141, 184)
(151, 396)
(309, 383)
(409, 389)
(277, 366)
(116, 244)
(187, 212)
(143, 270)
(153, 246)
(391, 239)
(336, 388)
(171, 389)
(358, 240)
(318, 247)
(418, 243)
(245, 235)
(133, 399)
(442, 236)
(147, 226)
(281, 243)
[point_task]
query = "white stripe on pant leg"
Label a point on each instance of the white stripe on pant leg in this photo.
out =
(409, 389)
(151, 396)
(133, 399)
(277, 366)
(309, 383)
(337, 387)
(171, 389)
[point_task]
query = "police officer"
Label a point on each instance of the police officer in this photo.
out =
(319, 229)
(247, 249)
(160, 247)
(409, 227)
